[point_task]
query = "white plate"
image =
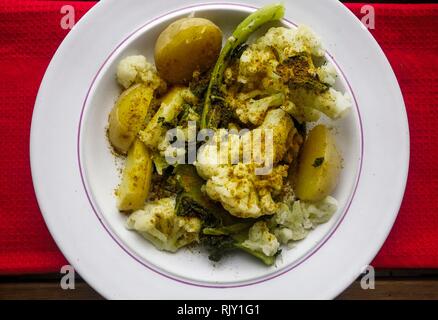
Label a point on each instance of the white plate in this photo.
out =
(74, 173)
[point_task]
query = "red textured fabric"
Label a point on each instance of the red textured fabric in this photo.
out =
(30, 32)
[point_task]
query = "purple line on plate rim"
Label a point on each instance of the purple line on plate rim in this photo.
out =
(183, 281)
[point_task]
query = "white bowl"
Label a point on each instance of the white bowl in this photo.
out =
(69, 147)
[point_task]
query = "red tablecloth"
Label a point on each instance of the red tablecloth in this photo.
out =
(30, 32)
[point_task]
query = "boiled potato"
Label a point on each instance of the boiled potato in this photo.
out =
(127, 116)
(136, 179)
(187, 45)
(171, 105)
(319, 166)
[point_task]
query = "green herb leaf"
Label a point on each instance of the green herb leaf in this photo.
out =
(318, 162)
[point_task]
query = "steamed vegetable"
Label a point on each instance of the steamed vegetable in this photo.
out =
(254, 110)
(240, 35)
(319, 165)
(261, 240)
(192, 201)
(284, 62)
(295, 220)
(185, 46)
(136, 179)
(256, 241)
(238, 187)
(171, 106)
(159, 224)
(136, 69)
(127, 116)
(223, 232)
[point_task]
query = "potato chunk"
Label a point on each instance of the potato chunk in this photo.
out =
(127, 116)
(136, 179)
(319, 166)
(187, 45)
(171, 106)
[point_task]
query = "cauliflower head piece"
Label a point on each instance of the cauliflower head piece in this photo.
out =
(239, 186)
(284, 69)
(136, 69)
(159, 224)
(289, 41)
(260, 239)
(294, 221)
(227, 148)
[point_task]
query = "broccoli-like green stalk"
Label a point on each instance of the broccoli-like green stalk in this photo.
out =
(220, 116)
(220, 244)
(240, 35)
(224, 232)
(192, 201)
(268, 260)
(158, 223)
(217, 246)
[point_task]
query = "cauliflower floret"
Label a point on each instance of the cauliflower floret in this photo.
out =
(288, 42)
(254, 111)
(320, 212)
(245, 194)
(278, 70)
(302, 114)
(136, 69)
(159, 224)
(261, 239)
(331, 102)
(230, 148)
(327, 74)
(294, 221)
(281, 125)
(173, 152)
(210, 160)
(260, 61)
(241, 187)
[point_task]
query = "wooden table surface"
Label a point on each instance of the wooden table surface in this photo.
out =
(390, 284)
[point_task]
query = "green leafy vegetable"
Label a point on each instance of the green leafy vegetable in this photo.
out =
(223, 232)
(227, 230)
(232, 48)
(220, 245)
(217, 246)
(192, 201)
